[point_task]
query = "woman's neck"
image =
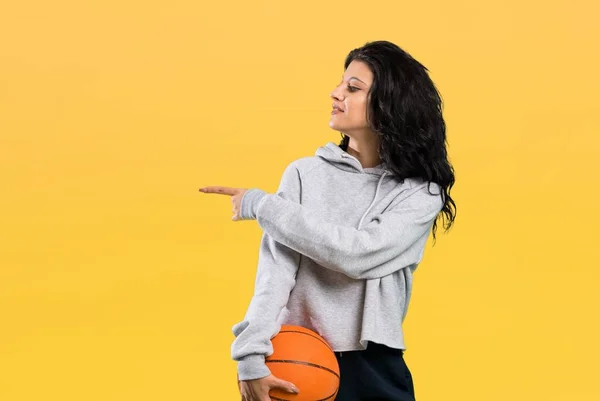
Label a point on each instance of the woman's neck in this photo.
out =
(367, 152)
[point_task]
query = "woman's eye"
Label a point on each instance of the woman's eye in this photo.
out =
(352, 88)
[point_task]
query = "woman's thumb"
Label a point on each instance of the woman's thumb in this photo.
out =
(285, 386)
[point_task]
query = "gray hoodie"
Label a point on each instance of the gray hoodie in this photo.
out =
(339, 248)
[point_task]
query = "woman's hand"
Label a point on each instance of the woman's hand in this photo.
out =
(258, 390)
(236, 197)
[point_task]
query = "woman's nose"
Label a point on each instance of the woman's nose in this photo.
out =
(337, 94)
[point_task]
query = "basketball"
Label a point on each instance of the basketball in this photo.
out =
(304, 358)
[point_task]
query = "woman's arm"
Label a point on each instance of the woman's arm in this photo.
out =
(376, 250)
(275, 278)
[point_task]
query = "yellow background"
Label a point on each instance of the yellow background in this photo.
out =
(120, 281)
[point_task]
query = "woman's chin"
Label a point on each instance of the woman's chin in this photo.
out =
(333, 125)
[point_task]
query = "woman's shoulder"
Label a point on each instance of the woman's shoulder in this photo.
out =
(305, 164)
(419, 184)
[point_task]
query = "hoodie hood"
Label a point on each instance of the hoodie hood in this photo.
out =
(341, 159)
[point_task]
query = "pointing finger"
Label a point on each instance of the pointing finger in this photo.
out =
(219, 190)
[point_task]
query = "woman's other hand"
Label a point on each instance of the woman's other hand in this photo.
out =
(258, 390)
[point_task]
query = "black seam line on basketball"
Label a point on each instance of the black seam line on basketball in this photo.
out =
(314, 365)
(322, 399)
(308, 334)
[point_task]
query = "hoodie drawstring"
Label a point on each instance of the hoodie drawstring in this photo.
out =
(373, 201)
(333, 152)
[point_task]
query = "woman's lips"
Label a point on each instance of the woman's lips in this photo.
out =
(336, 110)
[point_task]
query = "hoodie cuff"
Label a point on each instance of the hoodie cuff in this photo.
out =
(250, 202)
(252, 367)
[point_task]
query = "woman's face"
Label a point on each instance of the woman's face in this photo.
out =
(350, 100)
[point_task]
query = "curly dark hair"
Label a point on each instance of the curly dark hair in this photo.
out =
(405, 110)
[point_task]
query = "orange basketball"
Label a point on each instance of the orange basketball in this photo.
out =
(304, 358)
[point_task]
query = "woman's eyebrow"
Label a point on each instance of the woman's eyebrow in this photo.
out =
(351, 78)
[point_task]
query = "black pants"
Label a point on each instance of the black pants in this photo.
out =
(378, 373)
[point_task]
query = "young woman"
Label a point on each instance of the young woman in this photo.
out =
(347, 228)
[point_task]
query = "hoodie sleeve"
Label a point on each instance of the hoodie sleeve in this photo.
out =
(390, 242)
(276, 276)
